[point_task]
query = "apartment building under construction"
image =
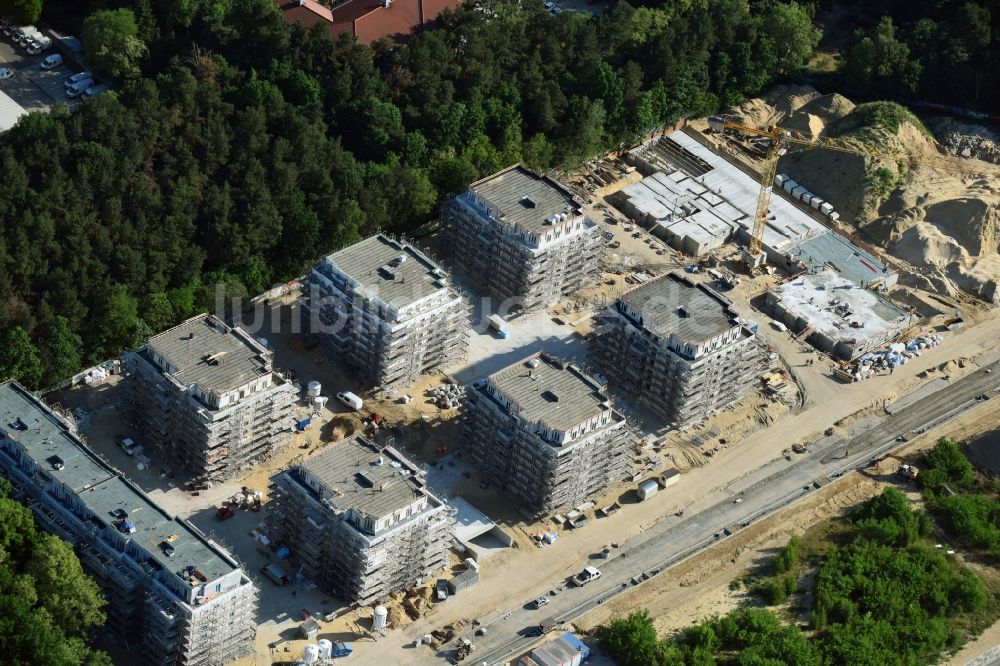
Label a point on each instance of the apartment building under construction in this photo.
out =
(206, 396)
(546, 431)
(386, 310)
(359, 521)
(174, 596)
(679, 348)
(522, 238)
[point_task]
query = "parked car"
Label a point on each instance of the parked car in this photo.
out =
(5, 73)
(129, 446)
(36, 46)
(10, 28)
(540, 601)
(51, 61)
(96, 89)
(79, 76)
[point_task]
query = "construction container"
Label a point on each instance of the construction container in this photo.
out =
(464, 580)
(566, 650)
(779, 179)
(807, 198)
(798, 191)
(308, 629)
(342, 649)
(816, 202)
(826, 208)
(303, 424)
(669, 478)
(789, 185)
(647, 489)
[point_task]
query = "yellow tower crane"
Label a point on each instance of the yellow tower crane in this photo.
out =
(779, 137)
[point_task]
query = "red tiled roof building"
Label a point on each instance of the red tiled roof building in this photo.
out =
(367, 20)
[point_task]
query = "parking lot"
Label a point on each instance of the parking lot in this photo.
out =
(33, 88)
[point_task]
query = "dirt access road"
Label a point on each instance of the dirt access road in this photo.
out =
(526, 574)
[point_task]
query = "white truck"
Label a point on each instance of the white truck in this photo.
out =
(587, 575)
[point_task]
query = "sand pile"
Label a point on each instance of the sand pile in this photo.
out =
(774, 107)
(942, 223)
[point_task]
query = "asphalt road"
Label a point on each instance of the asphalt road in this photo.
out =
(765, 491)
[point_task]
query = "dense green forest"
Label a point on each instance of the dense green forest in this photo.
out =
(966, 504)
(945, 51)
(876, 591)
(237, 149)
(48, 606)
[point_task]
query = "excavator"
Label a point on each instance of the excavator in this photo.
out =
(780, 139)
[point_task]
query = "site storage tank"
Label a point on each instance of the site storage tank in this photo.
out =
(325, 648)
(314, 388)
(310, 655)
(379, 621)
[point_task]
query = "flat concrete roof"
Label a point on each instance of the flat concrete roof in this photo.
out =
(10, 111)
(716, 176)
(816, 297)
(833, 250)
(349, 470)
(525, 199)
(558, 394)
(206, 352)
(367, 262)
(102, 488)
(470, 522)
(672, 305)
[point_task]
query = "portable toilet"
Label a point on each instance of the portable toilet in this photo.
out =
(325, 648)
(343, 649)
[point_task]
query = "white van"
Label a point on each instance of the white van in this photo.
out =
(351, 400)
(76, 89)
(51, 61)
